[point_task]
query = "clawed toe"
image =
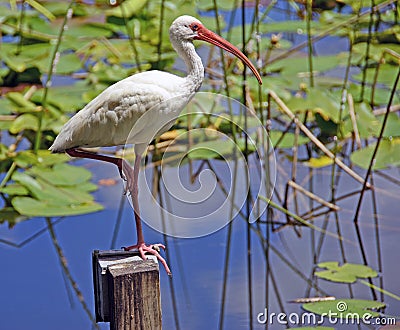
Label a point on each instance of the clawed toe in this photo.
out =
(154, 249)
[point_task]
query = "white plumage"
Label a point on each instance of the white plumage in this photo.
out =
(108, 119)
(117, 113)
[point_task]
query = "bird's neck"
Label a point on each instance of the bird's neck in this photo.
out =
(193, 63)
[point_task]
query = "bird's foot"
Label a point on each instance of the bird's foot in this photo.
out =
(154, 249)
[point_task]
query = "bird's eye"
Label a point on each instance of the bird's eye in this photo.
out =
(194, 27)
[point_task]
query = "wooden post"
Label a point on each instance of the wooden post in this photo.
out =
(127, 290)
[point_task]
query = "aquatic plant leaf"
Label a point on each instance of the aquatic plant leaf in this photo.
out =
(345, 308)
(27, 158)
(208, 5)
(44, 190)
(67, 63)
(386, 75)
(41, 9)
(318, 101)
(65, 98)
(129, 8)
(6, 108)
(319, 162)
(388, 155)
(23, 122)
(89, 30)
(299, 65)
(392, 127)
(212, 149)
(61, 174)
(287, 141)
(219, 148)
(367, 123)
(59, 8)
(348, 273)
(375, 50)
(381, 94)
(50, 193)
(14, 189)
(34, 208)
(18, 100)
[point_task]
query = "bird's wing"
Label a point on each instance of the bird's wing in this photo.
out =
(109, 118)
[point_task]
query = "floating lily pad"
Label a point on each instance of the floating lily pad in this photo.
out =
(386, 75)
(32, 207)
(287, 141)
(58, 191)
(352, 309)
(348, 273)
(388, 155)
(208, 5)
(18, 101)
(218, 148)
(23, 122)
(367, 123)
(14, 189)
(27, 158)
(319, 162)
(62, 174)
(127, 8)
(294, 66)
(318, 101)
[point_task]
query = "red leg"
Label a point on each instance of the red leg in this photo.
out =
(141, 246)
(122, 164)
(124, 168)
(131, 176)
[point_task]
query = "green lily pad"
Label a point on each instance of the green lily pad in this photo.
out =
(287, 141)
(348, 273)
(32, 207)
(65, 98)
(319, 162)
(392, 127)
(23, 122)
(215, 149)
(57, 191)
(386, 75)
(27, 158)
(129, 8)
(14, 189)
(318, 101)
(62, 174)
(352, 309)
(18, 101)
(297, 65)
(388, 155)
(208, 5)
(44, 190)
(367, 123)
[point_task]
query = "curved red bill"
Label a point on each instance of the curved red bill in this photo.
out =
(213, 38)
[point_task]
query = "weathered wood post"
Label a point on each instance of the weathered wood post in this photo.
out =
(127, 290)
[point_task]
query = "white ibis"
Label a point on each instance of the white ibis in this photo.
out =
(109, 118)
